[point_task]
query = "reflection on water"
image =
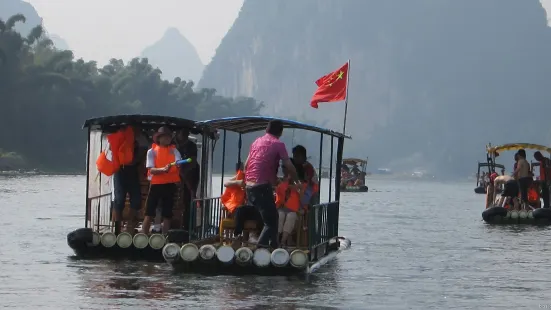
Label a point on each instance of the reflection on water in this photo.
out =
(110, 279)
(156, 283)
(415, 245)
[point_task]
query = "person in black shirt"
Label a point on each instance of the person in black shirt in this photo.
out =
(189, 173)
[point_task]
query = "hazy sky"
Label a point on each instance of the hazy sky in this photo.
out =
(103, 29)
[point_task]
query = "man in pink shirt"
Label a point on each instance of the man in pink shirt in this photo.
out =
(261, 174)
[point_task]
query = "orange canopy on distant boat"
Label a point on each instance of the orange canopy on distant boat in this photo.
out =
(353, 161)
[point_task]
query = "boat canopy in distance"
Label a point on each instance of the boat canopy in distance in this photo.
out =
(480, 165)
(353, 161)
(108, 123)
(517, 146)
(248, 124)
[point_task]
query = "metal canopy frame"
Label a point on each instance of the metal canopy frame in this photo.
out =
(114, 122)
(249, 124)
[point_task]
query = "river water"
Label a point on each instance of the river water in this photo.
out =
(415, 245)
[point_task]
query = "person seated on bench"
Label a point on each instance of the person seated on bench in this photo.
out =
(234, 200)
(306, 173)
(288, 203)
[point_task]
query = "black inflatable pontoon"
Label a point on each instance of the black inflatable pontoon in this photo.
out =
(357, 189)
(500, 215)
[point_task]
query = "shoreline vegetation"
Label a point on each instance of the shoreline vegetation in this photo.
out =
(46, 95)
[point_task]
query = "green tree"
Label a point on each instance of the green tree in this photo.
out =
(46, 94)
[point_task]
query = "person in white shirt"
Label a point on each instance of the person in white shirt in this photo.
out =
(164, 177)
(510, 190)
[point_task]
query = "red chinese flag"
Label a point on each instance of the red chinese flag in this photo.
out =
(331, 87)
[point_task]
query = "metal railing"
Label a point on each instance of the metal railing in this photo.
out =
(204, 221)
(99, 213)
(323, 225)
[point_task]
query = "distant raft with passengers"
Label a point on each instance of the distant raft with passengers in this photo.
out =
(202, 241)
(508, 209)
(482, 177)
(353, 173)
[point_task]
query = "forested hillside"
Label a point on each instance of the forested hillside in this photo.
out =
(46, 94)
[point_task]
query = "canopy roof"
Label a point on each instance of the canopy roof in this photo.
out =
(353, 161)
(517, 146)
(495, 165)
(248, 124)
(114, 122)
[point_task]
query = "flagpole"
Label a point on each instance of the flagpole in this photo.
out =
(346, 99)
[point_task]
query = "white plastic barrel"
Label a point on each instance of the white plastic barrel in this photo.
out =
(298, 259)
(243, 256)
(124, 240)
(140, 240)
(225, 254)
(189, 252)
(280, 257)
(171, 252)
(514, 214)
(157, 241)
(522, 214)
(261, 257)
(108, 239)
(96, 239)
(207, 252)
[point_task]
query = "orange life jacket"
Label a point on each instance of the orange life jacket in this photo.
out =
(106, 166)
(287, 197)
(121, 144)
(163, 157)
(533, 195)
(234, 196)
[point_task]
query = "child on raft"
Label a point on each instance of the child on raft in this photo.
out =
(288, 203)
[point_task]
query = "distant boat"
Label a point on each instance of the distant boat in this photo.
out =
(356, 181)
(498, 211)
(480, 186)
(383, 171)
